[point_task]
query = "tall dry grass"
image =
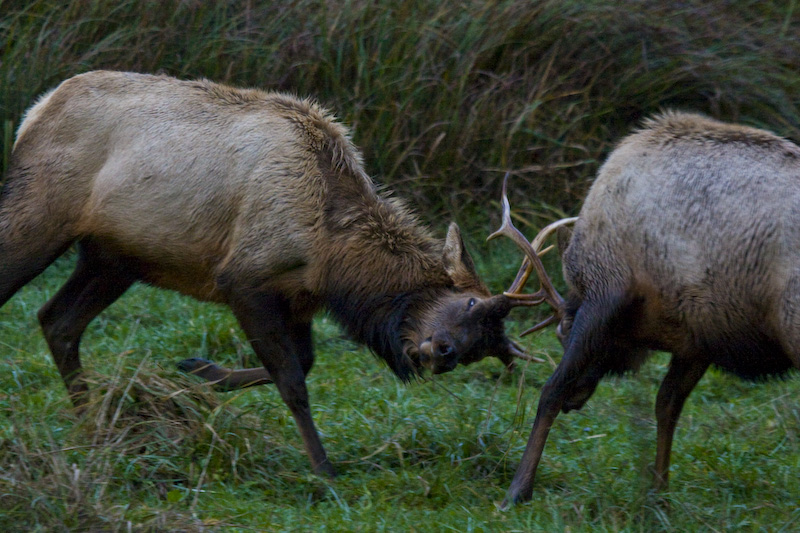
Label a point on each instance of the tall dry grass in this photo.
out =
(444, 98)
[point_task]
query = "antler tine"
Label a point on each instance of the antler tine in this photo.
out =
(547, 292)
(518, 353)
(547, 231)
(541, 325)
(507, 228)
(526, 268)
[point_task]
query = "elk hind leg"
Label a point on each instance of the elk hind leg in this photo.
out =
(28, 244)
(683, 375)
(94, 285)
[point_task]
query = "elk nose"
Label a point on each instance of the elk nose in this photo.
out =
(438, 354)
(444, 356)
(443, 349)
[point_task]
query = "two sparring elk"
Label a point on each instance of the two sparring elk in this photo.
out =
(251, 199)
(688, 242)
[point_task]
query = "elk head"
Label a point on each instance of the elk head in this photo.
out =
(463, 329)
(463, 326)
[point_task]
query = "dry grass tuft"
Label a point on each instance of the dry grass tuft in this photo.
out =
(137, 433)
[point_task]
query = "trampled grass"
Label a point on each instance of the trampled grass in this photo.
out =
(158, 451)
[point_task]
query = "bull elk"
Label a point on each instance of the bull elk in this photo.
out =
(688, 242)
(251, 199)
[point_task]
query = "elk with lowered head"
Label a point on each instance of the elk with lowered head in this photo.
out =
(252, 199)
(688, 242)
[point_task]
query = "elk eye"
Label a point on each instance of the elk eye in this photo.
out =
(470, 303)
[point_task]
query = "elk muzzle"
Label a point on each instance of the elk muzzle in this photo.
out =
(438, 353)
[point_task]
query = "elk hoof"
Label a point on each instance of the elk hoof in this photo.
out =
(508, 503)
(193, 365)
(325, 469)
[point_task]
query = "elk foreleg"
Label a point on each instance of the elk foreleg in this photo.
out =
(550, 403)
(283, 346)
(589, 345)
(684, 373)
(568, 388)
(229, 379)
(225, 379)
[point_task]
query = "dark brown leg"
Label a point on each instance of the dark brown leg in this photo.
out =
(228, 379)
(591, 343)
(284, 347)
(683, 375)
(21, 260)
(225, 379)
(521, 487)
(301, 336)
(31, 235)
(94, 285)
(16, 272)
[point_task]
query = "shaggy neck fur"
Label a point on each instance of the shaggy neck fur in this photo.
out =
(383, 323)
(383, 268)
(379, 264)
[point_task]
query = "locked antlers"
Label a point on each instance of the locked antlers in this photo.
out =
(546, 293)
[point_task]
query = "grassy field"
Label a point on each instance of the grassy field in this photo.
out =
(157, 451)
(444, 98)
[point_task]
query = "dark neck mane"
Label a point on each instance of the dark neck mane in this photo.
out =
(381, 323)
(381, 265)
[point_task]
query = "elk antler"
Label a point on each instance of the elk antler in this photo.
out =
(546, 293)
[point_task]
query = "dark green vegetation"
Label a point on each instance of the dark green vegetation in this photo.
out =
(443, 98)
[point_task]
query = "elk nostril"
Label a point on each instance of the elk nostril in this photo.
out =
(444, 350)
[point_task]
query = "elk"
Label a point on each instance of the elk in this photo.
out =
(688, 242)
(251, 199)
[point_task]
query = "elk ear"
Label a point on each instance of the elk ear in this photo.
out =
(563, 238)
(457, 262)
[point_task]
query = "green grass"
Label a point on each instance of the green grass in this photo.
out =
(158, 451)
